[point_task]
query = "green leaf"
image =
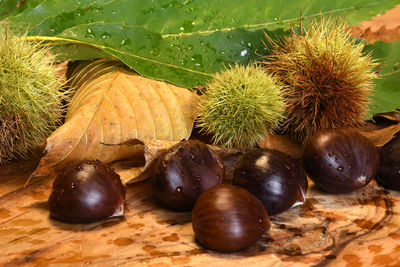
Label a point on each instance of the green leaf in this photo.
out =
(387, 90)
(6, 7)
(13, 7)
(180, 41)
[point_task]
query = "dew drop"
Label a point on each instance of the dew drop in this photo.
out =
(260, 220)
(178, 189)
(155, 52)
(243, 53)
(340, 168)
(330, 154)
(105, 35)
(192, 156)
(349, 165)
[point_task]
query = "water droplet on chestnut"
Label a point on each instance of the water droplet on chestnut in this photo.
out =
(351, 149)
(389, 167)
(281, 183)
(227, 218)
(86, 186)
(188, 168)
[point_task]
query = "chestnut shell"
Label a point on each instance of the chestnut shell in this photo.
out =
(184, 172)
(87, 191)
(273, 177)
(228, 218)
(340, 160)
(389, 167)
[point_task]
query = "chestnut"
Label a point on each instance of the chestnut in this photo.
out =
(389, 167)
(228, 218)
(340, 160)
(185, 171)
(87, 191)
(274, 177)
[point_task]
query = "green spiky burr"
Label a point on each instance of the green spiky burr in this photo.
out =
(30, 95)
(241, 106)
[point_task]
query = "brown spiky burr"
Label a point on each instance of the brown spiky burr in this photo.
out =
(327, 78)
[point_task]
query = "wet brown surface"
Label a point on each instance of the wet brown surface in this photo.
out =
(356, 229)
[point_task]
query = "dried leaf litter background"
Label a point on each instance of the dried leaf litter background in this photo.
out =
(113, 105)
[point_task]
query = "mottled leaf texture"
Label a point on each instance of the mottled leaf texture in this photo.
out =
(179, 41)
(113, 105)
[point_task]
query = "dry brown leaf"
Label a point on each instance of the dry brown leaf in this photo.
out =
(393, 116)
(282, 143)
(384, 27)
(381, 136)
(152, 150)
(113, 105)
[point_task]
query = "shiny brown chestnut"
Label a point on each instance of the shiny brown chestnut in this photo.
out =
(87, 191)
(389, 166)
(273, 177)
(228, 218)
(340, 160)
(184, 172)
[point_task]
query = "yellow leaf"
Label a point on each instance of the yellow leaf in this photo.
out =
(113, 105)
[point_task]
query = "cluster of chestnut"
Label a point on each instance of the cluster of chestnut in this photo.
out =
(230, 217)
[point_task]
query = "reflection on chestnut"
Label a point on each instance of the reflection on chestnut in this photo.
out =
(87, 191)
(228, 218)
(272, 176)
(389, 166)
(184, 172)
(340, 160)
